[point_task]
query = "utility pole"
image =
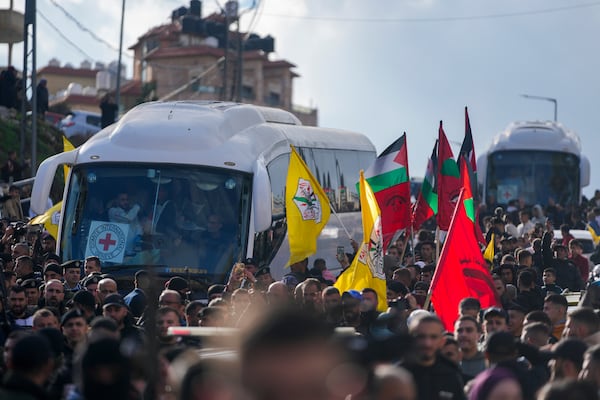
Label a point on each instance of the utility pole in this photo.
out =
(118, 90)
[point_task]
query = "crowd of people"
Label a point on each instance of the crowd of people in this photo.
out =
(71, 331)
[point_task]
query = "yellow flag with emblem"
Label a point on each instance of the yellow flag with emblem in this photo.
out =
(488, 253)
(67, 146)
(366, 270)
(306, 209)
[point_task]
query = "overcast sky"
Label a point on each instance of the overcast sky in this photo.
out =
(387, 66)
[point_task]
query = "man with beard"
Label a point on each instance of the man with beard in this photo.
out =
(17, 309)
(311, 296)
(467, 332)
(114, 307)
(435, 376)
(54, 294)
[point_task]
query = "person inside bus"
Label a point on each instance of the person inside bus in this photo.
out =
(123, 212)
(215, 243)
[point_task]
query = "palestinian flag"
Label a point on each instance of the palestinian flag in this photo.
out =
(467, 152)
(449, 184)
(427, 201)
(389, 180)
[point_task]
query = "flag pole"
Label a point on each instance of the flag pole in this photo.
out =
(339, 220)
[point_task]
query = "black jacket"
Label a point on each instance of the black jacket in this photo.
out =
(567, 274)
(442, 380)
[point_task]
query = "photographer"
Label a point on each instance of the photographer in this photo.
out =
(11, 208)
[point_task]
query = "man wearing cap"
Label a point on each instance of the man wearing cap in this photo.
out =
(351, 300)
(114, 307)
(178, 284)
(74, 328)
(501, 350)
(250, 269)
(263, 279)
(53, 271)
(86, 303)
(136, 299)
(567, 359)
(495, 319)
(72, 275)
(32, 292)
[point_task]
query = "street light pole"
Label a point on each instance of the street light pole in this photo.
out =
(528, 96)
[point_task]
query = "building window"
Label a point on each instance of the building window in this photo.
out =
(273, 99)
(248, 92)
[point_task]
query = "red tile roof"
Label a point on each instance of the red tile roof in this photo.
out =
(132, 88)
(78, 72)
(188, 51)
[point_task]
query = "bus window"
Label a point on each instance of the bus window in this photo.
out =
(180, 217)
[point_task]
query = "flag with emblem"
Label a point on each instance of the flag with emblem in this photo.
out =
(389, 179)
(366, 270)
(448, 180)
(489, 251)
(306, 209)
(461, 271)
(426, 205)
(67, 146)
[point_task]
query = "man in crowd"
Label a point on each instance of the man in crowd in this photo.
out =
(435, 377)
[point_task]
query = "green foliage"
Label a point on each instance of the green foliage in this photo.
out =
(49, 142)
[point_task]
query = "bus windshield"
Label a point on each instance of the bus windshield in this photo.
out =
(533, 177)
(178, 218)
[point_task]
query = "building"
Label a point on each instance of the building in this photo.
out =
(185, 60)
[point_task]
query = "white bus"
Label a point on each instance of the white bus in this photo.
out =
(205, 183)
(533, 162)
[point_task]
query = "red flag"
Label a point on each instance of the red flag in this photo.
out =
(389, 180)
(427, 202)
(461, 271)
(448, 181)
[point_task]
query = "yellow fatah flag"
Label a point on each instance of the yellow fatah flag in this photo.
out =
(67, 146)
(49, 219)
(595, 237)
(366, 270)
(306, 209)
(488, 253)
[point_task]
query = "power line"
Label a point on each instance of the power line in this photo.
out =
(439, 19)
(85, 29)
(87, 56)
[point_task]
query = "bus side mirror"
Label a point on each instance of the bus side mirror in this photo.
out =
(261, 198)
(584, 168)
(44, 178)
